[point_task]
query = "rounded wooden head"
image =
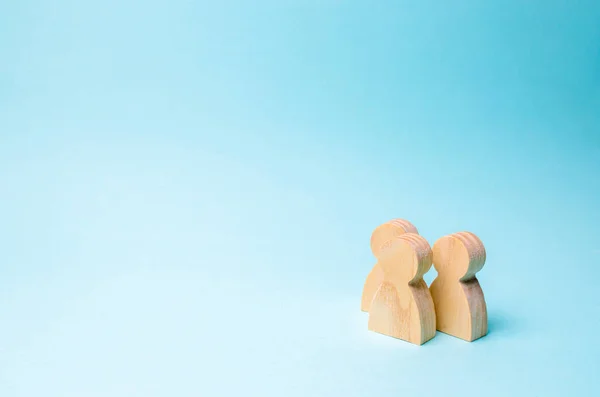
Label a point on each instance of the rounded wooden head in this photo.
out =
(459, 255)
(405, 258)
(389, 230)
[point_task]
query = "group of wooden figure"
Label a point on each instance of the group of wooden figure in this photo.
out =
(397, 298)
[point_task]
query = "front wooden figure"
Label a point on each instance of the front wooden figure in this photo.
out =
(381, 234)
(402, 306)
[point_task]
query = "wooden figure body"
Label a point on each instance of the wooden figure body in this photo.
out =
(459, 303)
(382, 233)
(402, 306)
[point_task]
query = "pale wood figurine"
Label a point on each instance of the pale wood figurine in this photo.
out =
(459, 303)
(402, 306)
(382, 233)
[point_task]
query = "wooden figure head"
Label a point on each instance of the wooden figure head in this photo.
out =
(459, 255)
(387, 231)
(405, 258)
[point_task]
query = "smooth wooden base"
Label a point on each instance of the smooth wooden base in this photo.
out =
(391, 315)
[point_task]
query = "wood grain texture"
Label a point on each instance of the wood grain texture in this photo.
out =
(402, 306)
(459, 302)
(380, 235)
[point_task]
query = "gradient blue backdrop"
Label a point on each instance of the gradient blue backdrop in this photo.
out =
(188, 188)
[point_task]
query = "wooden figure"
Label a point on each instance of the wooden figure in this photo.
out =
(458, 298)
(381, 234)
(402, 306)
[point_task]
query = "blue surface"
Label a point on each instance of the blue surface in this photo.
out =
(188, 191)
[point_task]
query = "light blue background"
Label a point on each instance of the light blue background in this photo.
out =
(187, 192)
